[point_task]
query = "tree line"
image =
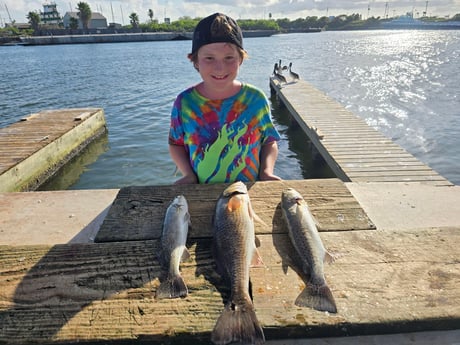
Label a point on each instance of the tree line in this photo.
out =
(187, 24)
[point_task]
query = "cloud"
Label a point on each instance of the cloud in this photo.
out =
(255, 9)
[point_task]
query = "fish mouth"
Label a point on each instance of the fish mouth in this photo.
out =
(234, 189)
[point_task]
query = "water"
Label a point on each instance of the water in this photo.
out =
(404, 83)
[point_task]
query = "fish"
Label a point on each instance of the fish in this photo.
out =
(173, 249)
(306, 240)
(234, 248)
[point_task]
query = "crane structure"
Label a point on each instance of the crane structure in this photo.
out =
(9, 16)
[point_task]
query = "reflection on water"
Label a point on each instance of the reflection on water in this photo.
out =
(69, 174)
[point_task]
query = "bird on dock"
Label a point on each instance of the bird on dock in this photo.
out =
(293, 75)
(278, 75)
(281, 68)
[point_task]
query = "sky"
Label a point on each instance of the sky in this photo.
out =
(119, 10)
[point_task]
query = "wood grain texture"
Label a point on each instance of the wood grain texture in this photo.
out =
(383, 282)
(137, 212)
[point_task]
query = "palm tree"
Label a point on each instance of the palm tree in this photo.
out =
(151, 15)
(73, 23)
(84, 13)
(134, 20)
(34, 20)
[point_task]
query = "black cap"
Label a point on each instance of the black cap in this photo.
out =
(209, 31)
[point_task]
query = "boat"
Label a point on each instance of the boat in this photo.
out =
(409, 22)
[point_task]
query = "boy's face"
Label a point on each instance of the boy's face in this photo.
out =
(218, 64)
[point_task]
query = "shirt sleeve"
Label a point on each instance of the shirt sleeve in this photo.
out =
(176, 131)
(270, 133)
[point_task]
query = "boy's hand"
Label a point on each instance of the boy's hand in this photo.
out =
(268, 177)
(189, 179)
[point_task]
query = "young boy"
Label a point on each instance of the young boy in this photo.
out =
(221, 130)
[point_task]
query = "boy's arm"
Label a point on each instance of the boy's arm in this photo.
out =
(180, 157)
(268, 156)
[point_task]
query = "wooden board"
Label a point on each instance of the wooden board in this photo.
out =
(138, 212)
(383, 282)
(343, 139)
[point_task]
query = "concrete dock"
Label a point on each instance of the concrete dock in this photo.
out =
(82, 266)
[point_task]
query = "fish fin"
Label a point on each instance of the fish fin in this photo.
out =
(317, 224)
(238, 323)
(185, 255)
(317, 297)
(330, 257)
(285, 267)
(188, 219)
(172, 287)
(258, 219)
(256, 241)
(257, 259)
(255, 217)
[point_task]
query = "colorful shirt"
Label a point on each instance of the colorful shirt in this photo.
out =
(223, 137)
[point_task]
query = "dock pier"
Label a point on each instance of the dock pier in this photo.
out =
(82, 266)
(354, 151)
(37, 146)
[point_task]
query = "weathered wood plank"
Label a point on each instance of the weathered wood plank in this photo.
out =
(137, 212)
(35, 148)
(432, 179)
(383, 282)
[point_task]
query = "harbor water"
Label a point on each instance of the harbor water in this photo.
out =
(403, 83)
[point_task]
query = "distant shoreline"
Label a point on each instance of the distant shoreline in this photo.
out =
(123, 37)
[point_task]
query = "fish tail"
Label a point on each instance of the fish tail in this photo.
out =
(317, 297)
(172, 287)
(238, 323)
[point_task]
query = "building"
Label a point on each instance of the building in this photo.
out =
(50, 15)
(97, 21)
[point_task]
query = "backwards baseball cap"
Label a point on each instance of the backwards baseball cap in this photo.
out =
(215, 29)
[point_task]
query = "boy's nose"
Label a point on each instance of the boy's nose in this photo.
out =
(219, 65)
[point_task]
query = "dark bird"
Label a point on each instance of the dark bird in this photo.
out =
(278, 75)
(294, 75)
(281, 68)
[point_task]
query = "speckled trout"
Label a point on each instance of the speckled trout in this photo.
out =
(307, 242)
(234, 248)
(173, 250)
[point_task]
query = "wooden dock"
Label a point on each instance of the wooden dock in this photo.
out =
(34, 148)
(354, 151)
(383, 281)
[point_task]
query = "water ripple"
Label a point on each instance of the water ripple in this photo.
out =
(404, 83)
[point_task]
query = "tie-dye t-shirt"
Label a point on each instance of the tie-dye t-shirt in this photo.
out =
(223, 137)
